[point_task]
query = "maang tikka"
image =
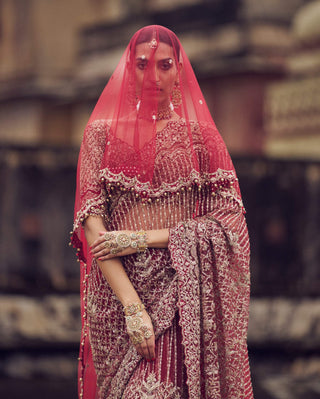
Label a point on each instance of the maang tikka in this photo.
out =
(153, 43)
(176, 97)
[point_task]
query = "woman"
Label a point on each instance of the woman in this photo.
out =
(161, 237)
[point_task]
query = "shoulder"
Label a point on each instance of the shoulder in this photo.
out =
(95, 134)
(183, 129)
(198, 130)
(202, 126)
(96, 131)
(98, 126)
(194, 126)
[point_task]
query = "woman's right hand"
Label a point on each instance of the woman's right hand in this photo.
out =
(141, 334)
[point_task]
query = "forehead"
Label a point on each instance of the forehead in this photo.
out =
(163, 50)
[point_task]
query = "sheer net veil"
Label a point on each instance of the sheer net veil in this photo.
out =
(152, 89)
(154, 83)
(150, 135)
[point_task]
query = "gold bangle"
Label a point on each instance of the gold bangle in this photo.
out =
(118, 242)
(141, 241)
(133, 308)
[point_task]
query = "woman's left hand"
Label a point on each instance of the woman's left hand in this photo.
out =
(112, 244)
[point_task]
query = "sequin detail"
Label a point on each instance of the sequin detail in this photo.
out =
(201, 281)
(152, 388)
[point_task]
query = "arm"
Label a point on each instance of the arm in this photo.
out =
(119, 282)
(158, 238)
(155, 239)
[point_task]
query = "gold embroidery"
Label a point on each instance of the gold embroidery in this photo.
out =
(152, 388)
(208, 243)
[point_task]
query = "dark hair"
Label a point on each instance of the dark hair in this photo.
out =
(164, 35)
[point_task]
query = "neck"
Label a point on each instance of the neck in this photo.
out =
(164, 111)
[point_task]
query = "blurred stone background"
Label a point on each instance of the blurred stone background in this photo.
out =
(258, 63)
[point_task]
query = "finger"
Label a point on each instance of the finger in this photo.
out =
(100, 248)
(102, 251)
(149, 354)
(97, 242)
(145, 350)
(109, 255)
(97, 247)
(102, 258)
(115, 252)
(100, 254)
(106, 257)
(151, 347)
(139, 349)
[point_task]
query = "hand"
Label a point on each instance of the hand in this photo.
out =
(106, 246)
(140, 331)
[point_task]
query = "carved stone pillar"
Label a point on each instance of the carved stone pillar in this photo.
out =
(292, 107)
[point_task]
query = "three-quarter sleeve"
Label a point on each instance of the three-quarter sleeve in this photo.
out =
(91, 196)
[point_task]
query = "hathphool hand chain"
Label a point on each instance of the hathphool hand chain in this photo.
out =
(118, 242)
(137, 330)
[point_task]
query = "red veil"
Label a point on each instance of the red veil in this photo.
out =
(150, 98)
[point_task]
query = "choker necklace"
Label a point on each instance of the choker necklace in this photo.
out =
(162, 113)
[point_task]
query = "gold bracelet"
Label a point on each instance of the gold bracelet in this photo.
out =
(136, 328)
(118, 242)
(140, 241)
(133, 308)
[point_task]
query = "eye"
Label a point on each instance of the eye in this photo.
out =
(166, 64)
(142, 65)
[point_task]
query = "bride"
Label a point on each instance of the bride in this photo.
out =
(161, 237)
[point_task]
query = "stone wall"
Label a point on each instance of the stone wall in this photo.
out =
(292, 106)
(258, 65)
(57, 56)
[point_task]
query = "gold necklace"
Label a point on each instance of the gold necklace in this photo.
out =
(162, 113)
(165, 113)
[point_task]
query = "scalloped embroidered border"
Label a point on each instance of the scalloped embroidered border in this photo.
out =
(194, 177)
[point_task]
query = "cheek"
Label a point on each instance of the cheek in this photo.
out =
(169, 82)
(139, 79)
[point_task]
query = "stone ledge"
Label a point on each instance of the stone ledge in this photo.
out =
(38, 322)
(54, 321)
(33, 365)
(289, 323)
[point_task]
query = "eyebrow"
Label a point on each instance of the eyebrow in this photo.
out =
(146, 59)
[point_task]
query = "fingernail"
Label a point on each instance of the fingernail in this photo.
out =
(99, 258)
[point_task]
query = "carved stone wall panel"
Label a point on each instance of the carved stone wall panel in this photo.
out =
(36, 209)
(282, 199)
(292, 118)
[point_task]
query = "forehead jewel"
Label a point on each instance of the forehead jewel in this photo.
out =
(153, 43)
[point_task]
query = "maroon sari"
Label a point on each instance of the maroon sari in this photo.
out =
(178, 176)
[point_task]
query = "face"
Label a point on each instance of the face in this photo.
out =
(156, 72)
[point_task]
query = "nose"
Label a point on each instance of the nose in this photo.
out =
(155, 74)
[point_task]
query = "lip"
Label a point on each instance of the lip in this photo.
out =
(153, 88)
